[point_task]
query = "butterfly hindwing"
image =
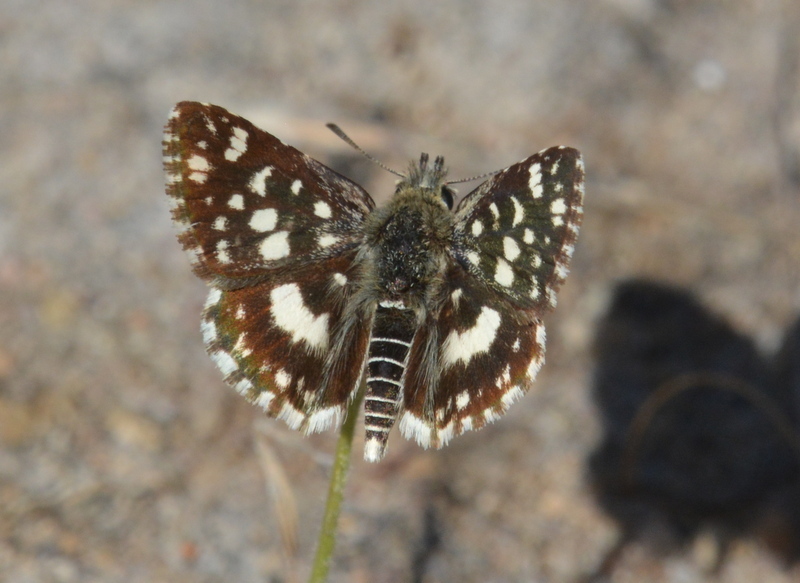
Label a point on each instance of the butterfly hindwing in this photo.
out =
(486, 353)
(248, 204)
(277, 341)
(516, 232)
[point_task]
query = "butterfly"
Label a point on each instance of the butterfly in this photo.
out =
(313, 288)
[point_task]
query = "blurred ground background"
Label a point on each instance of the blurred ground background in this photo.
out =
(122, 455)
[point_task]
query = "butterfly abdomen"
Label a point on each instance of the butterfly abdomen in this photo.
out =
(392, 333)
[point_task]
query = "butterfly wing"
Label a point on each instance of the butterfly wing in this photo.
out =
(248, 204)
(516, 232)
(290, 345)
(481, 349)
(274, 232)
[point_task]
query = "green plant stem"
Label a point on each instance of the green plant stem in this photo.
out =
(341, 463)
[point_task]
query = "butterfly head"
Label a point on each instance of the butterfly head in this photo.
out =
(428, 180)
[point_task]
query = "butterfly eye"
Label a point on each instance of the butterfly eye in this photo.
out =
(447, 196)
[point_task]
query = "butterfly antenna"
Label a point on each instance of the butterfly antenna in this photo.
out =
(471, 178)
(338, 131)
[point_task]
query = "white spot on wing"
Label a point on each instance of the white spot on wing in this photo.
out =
(322, 210)
(503, 275)
(519, 212)
(340, 278)
(557, 207)
(528, 236)
(222, 252)
(264, 220)
(292, 315)
(536, 175)
(462, 346)
(477, 228)
(510, 248)
(238, 145)
(240, 347)
(296, 186)
(221, 223)
(275, 246)
(236, 202)
(462, 400)
(198, 163)
(283, 379)
(327, 240)
(258, 183)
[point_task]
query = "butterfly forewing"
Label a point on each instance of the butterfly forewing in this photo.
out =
(249, 204)
(516, 232)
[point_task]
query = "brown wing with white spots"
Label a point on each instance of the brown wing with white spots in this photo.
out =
(516, 231)
(275, 234)
(247, 204)
(290, 346)
(480, 351)
(469, 363)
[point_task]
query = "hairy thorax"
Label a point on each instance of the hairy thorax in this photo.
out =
(408, 241)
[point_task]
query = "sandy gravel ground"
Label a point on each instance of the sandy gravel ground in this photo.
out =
(123, 458)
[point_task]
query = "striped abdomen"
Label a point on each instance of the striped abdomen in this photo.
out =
(392, 332)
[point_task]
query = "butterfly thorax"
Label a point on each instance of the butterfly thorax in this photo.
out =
(409, 239)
